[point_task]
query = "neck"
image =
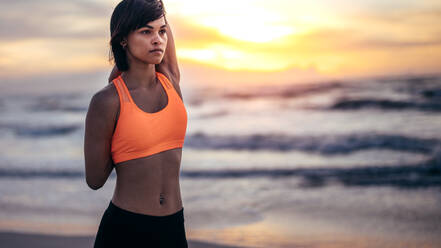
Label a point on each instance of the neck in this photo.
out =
(140, 76)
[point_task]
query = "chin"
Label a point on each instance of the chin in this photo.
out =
(154, 61)
(158, 61)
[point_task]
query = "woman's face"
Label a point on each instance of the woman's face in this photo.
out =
(140, 42)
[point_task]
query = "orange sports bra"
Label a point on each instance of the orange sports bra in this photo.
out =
(140, 134)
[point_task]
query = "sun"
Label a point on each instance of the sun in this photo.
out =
(250, 27)
(244, 20)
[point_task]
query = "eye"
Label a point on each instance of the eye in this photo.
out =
(146, 31)
(163, 31)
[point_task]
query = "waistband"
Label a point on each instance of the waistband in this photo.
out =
(113, 209)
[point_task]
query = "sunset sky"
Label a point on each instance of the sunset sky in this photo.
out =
(245, 41)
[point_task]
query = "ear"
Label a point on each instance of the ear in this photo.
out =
(123, 43)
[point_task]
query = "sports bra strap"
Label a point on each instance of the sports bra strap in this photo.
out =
(122, 90)
(164, 79)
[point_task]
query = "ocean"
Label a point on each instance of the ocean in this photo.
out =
(340, 163)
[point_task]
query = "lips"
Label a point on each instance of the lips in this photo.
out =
(156, 50)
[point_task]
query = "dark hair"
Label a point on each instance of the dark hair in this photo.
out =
(128, 16)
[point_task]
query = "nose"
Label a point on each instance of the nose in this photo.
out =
(157, 40)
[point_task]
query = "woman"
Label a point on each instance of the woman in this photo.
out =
(137, 124)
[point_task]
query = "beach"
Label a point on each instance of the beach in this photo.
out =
(23, 240)
(329, 165)
(311, 124)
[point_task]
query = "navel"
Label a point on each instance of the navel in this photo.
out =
(161, 198)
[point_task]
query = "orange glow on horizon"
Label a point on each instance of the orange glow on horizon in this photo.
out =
(330, 39)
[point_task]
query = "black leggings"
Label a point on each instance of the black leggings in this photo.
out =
(123, 228)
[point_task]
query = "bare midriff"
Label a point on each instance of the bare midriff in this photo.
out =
(150, 185)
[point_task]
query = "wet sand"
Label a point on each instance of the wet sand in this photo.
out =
(25, 240)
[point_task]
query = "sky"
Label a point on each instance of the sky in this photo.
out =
(246, 41)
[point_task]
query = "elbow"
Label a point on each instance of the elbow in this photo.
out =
(93, 184)
(96, 177)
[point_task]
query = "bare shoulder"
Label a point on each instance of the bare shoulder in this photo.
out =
(106, 100)
(107, 95)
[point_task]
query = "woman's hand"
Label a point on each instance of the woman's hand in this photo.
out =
(114, 74)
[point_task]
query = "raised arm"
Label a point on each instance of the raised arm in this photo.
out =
(169, 63)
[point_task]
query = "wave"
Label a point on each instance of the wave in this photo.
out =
(40, 131)
(40, 173)
(421, 175)
(432, 93)
(409, 176)
(58, 103)
(351, 104)
(415, 86)
(324, 144)
(398, 176)
(289, 91)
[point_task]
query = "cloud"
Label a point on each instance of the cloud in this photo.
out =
(21, 19)
(401, 28)
(192, 34)
(73, 35)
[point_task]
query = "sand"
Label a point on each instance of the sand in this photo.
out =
(25, 240)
